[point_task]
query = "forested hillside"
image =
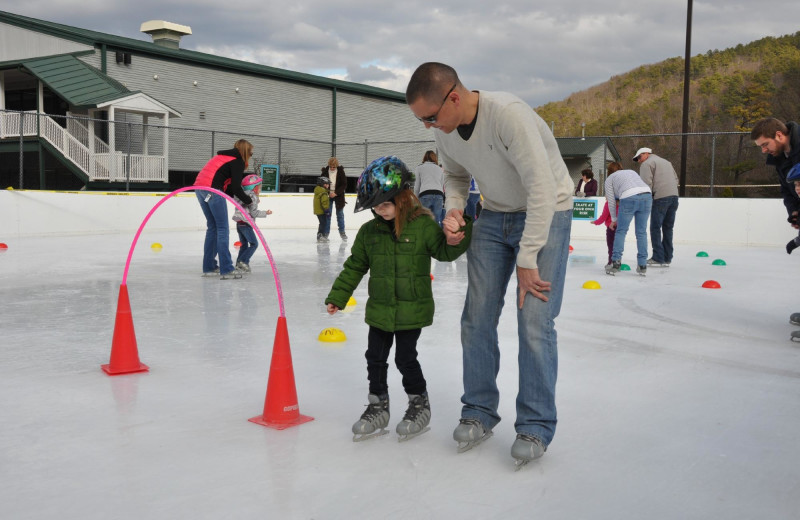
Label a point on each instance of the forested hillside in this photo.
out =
(729, 91)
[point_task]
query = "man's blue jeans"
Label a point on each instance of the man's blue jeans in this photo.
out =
(249, 242)
(491, 260)
(217, 233)
(662, 220)
(340, 219)
(434, 203)
(630, 208)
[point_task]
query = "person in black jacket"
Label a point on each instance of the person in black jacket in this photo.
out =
(335, 172)
(224, 172)
(782, 143)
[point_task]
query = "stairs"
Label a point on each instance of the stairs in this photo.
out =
(97, 162)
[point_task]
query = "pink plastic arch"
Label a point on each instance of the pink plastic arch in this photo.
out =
(246, 215)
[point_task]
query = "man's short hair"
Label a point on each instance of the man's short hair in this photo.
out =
(429, 82)
(768, 127)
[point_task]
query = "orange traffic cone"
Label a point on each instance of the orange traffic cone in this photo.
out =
(124, 355)
(281, 410)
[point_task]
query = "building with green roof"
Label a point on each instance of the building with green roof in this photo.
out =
(150, 113)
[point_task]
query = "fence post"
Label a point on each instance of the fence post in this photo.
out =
(213, 138)
(713, 150)
(128, 162)
(366, 152)
(21, 145)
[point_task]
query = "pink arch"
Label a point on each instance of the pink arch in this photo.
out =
(246, 215)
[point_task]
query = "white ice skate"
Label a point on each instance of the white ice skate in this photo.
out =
(415, 421)
(526, 449)
(374, 418)
(613, 268)
(469, 433)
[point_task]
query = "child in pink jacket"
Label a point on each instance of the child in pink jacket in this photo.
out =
(605, 218)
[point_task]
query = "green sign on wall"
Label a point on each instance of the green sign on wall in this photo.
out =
(585, 209)
(270, 178)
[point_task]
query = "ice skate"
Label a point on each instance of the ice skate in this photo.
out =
(469, 433)
(613, 268)
(795, 335)
(374, 419)
(654, 263)
(243, 267)
(641, 270)
(526, 449)
(343, 235)
(415, 421)
(794, 319)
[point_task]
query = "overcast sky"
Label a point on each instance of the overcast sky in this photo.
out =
(541, 51)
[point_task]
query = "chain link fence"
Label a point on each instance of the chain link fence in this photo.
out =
(45, 151)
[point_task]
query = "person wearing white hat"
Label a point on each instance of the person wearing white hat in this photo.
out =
(660, 176)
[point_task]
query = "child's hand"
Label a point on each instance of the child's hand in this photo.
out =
(269, 212)
(332, 309)
(451, 224)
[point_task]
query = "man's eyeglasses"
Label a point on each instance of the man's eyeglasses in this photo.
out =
(432, 119)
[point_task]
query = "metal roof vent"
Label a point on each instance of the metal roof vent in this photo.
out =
(165, 34)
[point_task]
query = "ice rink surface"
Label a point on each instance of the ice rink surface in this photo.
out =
(674, 401)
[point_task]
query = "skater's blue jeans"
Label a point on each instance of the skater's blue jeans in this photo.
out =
(635, 207)
(249, 242)
(215, 210)
(662, 219)
(324, 227)
(340, 219)
(491, 260)
(434, 203)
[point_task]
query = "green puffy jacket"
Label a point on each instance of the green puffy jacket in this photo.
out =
(400, 294)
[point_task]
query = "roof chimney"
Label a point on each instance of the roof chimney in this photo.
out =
(165, 34)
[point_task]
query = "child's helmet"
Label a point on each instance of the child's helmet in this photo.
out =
(381, 181)
(322, 181)
(250, 182)
(794, 173)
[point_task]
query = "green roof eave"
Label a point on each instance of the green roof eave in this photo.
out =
(76, 82)
(97, 38)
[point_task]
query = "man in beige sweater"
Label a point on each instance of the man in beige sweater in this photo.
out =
(499, 140)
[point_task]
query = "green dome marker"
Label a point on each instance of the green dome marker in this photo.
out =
(624, 267)
(718, 261)
(701, 254)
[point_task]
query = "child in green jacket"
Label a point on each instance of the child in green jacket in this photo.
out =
(322, 208)
(396, 248)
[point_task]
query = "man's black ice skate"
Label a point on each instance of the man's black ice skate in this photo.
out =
(374, 419)
(415, 421)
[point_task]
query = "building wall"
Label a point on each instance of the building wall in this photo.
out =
(17, 43)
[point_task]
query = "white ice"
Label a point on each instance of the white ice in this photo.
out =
(675, 401)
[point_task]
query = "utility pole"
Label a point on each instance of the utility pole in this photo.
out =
(686, 81)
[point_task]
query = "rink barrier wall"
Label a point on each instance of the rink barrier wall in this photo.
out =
(32, 213)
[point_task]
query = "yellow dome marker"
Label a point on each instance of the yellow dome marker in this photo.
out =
(591, 284)
(332, 335)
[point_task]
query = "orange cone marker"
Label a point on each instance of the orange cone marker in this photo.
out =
(281, 410)
(124, 354)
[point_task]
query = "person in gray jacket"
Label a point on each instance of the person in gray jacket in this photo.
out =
(660, 176)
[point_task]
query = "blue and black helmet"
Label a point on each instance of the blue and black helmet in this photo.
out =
(794, 173)
(382, 180)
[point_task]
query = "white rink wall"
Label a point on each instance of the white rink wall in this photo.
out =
(24, 213)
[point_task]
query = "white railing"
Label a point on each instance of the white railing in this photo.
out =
(143, 168)
(9, 124)
(102, 165)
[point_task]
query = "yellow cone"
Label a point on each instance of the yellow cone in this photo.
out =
(332, 335)
(156, 247)
(591, 284)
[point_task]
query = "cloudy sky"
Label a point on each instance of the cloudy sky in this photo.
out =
(541, 51)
